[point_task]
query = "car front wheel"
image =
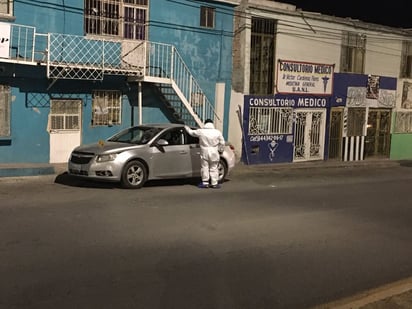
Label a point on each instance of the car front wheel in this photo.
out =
(134, 175)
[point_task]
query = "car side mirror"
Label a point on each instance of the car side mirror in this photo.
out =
(162, 142)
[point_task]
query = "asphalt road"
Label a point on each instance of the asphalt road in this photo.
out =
(274, 239)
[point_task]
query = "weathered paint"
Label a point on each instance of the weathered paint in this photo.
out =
(206, 52)
(54, 16)
(29, 139)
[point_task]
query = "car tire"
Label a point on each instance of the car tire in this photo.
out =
(134, 175)
(222, 168)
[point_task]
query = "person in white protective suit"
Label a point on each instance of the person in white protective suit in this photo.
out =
(211, 143)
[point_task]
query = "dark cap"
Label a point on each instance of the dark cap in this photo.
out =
(208, 121)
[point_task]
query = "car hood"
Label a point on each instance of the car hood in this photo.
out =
(105, 147)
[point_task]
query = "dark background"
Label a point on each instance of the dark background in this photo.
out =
(390, 13)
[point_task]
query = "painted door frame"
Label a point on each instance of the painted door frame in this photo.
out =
(64, 128)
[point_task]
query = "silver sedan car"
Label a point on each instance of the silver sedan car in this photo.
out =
(145, 152)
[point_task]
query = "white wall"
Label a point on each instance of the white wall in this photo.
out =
(314, 38)
(382, 55)
(235, 129)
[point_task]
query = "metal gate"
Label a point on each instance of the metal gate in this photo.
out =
(309, 135)
(335, 133)
(377, 140)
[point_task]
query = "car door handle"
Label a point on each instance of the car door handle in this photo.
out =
(183, 152)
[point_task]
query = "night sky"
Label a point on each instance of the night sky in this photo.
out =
(394, 13)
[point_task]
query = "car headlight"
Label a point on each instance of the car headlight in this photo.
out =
(106, 157)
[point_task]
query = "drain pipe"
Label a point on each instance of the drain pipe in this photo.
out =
(134, 79)
(140, 101)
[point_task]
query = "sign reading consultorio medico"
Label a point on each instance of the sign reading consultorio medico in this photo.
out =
(295, 77)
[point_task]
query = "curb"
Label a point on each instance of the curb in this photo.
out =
(241, 168)
(393, 295)
(21, 170)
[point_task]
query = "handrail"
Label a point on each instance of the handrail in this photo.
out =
(77, 57)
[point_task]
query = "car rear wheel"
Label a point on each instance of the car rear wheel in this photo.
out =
(222, 168)
(134, 175)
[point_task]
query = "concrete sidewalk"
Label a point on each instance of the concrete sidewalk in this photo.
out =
(38, 169)
(396, 295)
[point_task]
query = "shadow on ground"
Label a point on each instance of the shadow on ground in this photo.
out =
(68, 180)
(406, 163)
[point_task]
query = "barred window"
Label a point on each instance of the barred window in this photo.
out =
(107, 106)
(406, 60)
(65, 115)
(353, 50)
(207, 17)
(5, 95)
(356, 121)
(262, 55)
(270, 120)
(121, 18)
(403, 122)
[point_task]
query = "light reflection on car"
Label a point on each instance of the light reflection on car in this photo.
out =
(145, 152)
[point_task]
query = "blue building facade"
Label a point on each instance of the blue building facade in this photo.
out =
(350, 123)
(78, 71)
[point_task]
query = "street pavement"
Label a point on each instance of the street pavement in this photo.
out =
(397, 295)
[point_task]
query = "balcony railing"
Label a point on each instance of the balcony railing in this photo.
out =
(78, 57)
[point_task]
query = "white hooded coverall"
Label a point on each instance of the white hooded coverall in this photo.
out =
(210, 141)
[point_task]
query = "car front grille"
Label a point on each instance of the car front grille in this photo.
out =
(76, 172)
(81, 157)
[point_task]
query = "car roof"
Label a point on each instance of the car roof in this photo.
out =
(161, 125)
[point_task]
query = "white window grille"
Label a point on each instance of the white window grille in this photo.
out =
(120, 18)
(107, 106)
(134, 23)
(403, 123)
(5, 110)
(64, 114)
(207, 17)
(270, 120)
(353, 52)
(6, 7)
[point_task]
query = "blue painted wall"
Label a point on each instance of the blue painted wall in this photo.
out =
(275, 148)
(29, 139)
(207, 52)
(342, 81)
(55, 16)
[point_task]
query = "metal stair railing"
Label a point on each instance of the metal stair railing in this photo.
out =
(164, 61)
(184, 82)
(78, 57)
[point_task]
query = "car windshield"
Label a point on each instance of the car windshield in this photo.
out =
(135, 135)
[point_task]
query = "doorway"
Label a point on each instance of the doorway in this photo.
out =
(377, 140)
(64, 128)
(335, 133)
(309, 135)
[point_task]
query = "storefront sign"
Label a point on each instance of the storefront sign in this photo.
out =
(295, 77)
(290, 101)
